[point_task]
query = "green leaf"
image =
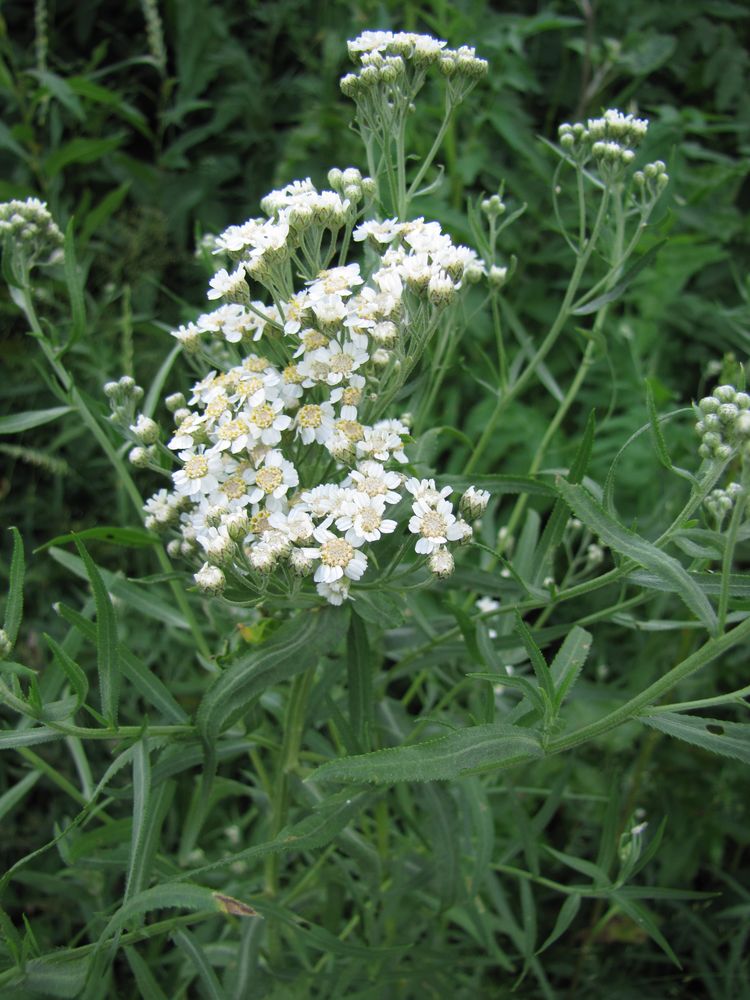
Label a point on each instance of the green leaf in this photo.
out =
(146, 683)
(11, 739)
(60, 90)
(15, 423)
(137, 873)
(128, 537)
(730, 739)
(554, 529)
(359, 675)
(145, 602)
(187, 943)
(629, 544)
(108, 659)
(10, 799)
(75, 675)
(569, 661)
(295, 647)
(144, 977)
(57, 976)
(75, 286)
(566, 916)
(174, 895)
(477, 748)
(538, 662)
(499, 485)
(14, 603)
(644, 919)
(79, 150)
(106, 207)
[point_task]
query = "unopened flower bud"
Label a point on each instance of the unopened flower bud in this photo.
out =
(473, 503)
(210, 579)
(441, 563)
(175, 402)
(139, 457)
(145, 430)
(301, 563)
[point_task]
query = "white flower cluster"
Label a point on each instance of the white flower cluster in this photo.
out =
(389, 59)
(289, 464)
(724, 422)
(611, 141)
(30, 223)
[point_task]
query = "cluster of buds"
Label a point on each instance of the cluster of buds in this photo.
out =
(610, 140)
(123, 395)
(493, 207)
(724, 422)
(720, 503)
(30, 227)
(351, 185)
(652, 180)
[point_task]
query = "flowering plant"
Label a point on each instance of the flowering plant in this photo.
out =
(300, 489)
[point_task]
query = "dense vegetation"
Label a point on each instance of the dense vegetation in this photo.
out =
(144, 128)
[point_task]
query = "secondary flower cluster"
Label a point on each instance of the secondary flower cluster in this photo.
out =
(719, 503)
(288, 462)
(611, 142)
(724, 422)
(30, 225)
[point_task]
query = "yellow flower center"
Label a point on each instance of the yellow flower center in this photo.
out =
(313, 339)
(433, 525)
(196, 467)
(256, 364)
(269, 478)
(336, 552)
(351, 396)
(351, 429)
(234, 487)
(232, 429)
(310, 416)
(262, 416)
(216, 407)
(292, 375)
(341, 363)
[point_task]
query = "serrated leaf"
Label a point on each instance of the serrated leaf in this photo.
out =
(107, 655)
(538, 662)
(11, 739)
(188, 944)
(56, 976)
(75, 675)
(569, 662)
(15, 423)
(730, 739)
(136, 873)
(627, 543)
(14, 602)
(496, 745)
(295, 647)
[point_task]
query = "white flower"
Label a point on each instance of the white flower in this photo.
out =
(436, 525)
(335, 281)
(210, 579)
(337, 557)
(297, 525)
(371, 479)
(363, 519)
(224, 284)
(266, 422)
(200, 473)
(441, 562)
(425, 489)
(380, 232)
(383, 441)
(315, 422)
(273, 479)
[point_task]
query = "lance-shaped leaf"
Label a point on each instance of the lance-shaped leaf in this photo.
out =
(297, 645)
(487, 747)
(108, 657)
(628, 544)
(730, 739)
(14, 604)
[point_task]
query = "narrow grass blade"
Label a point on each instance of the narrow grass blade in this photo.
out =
(14, 604)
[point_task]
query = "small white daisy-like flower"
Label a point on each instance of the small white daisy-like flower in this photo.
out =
(210, 579)
(425, 489)
(315, 422)
(273, 479)
(337, 557)
(335, 281)
(321, 501)
(330, 310)
(233, 435)
(383, 441)
(372, 479)
(435, 524)
(189, 433)
(200, 473)
(363, 519)
(379, 232)
(231, 285)
(296, 524)
(266, 422)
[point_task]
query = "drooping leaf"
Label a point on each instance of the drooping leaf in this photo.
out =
(15, 423)
(730, 739)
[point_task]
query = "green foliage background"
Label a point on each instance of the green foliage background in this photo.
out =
(145, 160)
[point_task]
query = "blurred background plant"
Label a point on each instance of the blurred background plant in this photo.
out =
(152, 124)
